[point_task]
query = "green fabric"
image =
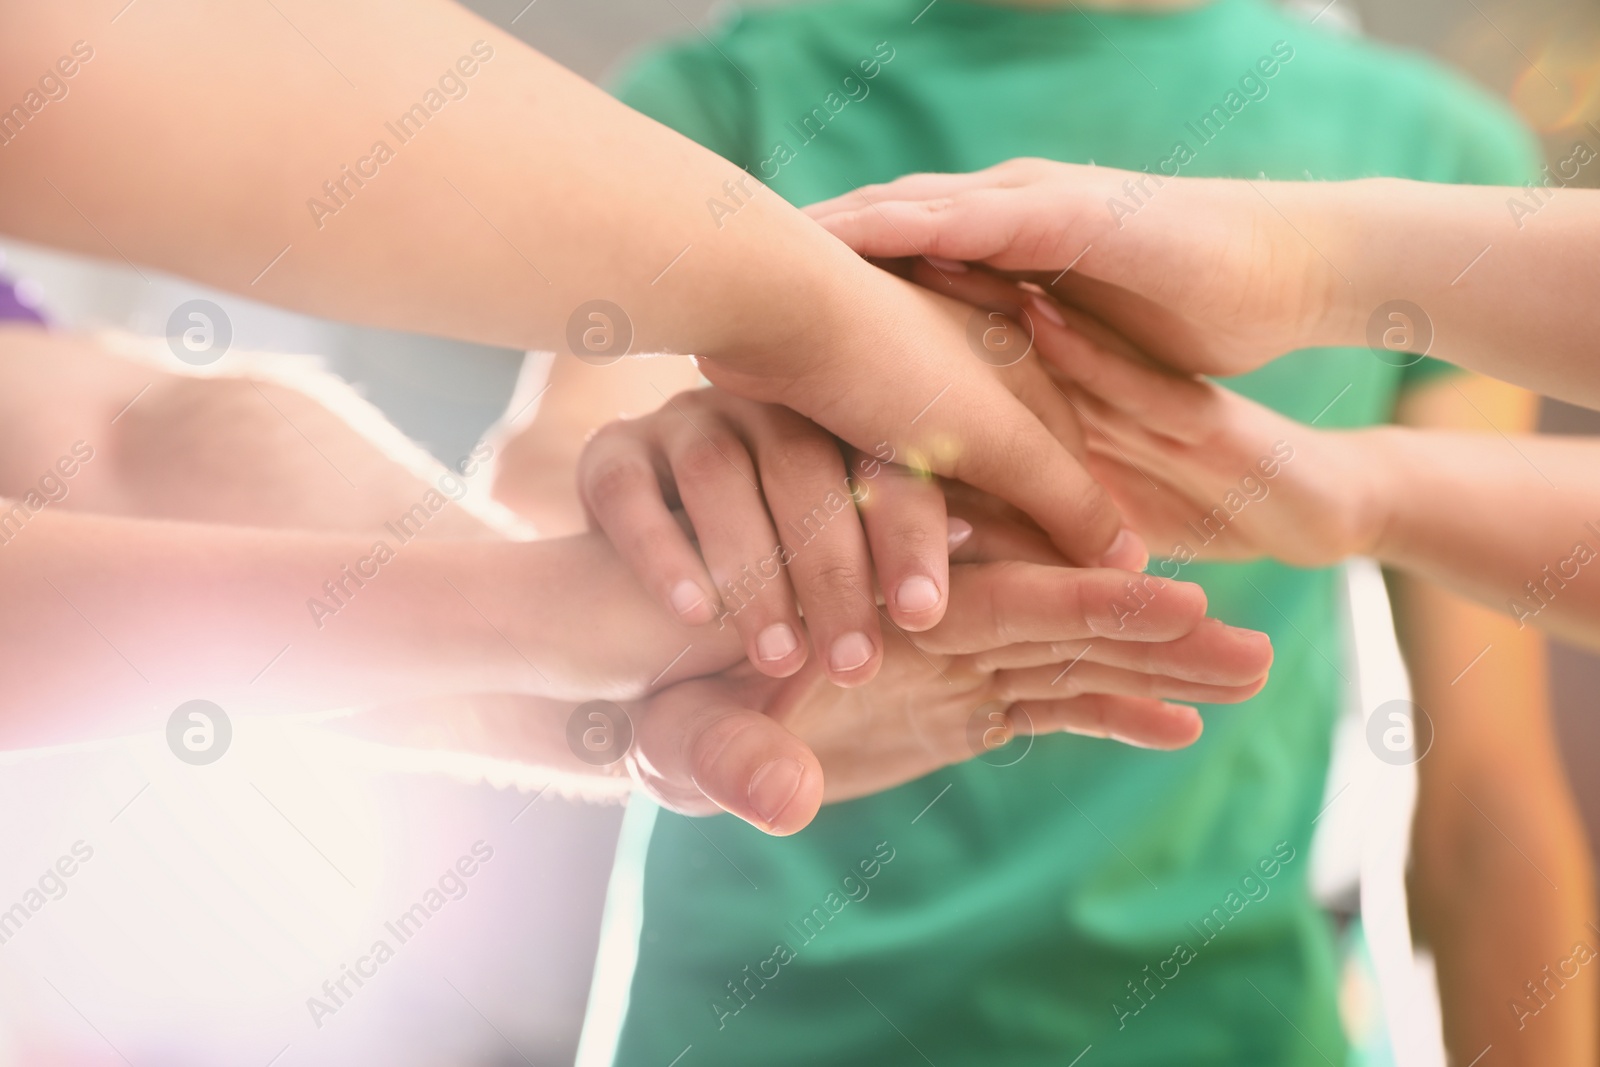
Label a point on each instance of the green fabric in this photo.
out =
(1017, 910)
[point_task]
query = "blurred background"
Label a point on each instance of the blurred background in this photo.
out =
(292, 854)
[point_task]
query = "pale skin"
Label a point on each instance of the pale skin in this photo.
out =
(1219, 276)
(1484, 757)
(444, 633)
(1495, 901)
(1481, 514)
(628, 475)
(1171, 448)
(784, 520)
(1489, 762)
(844, 424)
(526, 194)
(1532, 920)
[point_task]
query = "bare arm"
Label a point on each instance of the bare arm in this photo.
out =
(333, 585)
(1503, 287)
(113, 622)
(1222, 275)
(1497, 901)
(419, 169)
(1512, 521)
(251, 449)
(515, 193)
(1494, 910)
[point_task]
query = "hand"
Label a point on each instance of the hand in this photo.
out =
(889, 363)
(951, 694)
(1205, 275)
(1026, 647)
(1192, 463)
(772, 504)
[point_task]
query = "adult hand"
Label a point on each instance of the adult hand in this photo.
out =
(512, 227)
(772, 501)
(1026, 647)
(1204, 275)
(887, 363)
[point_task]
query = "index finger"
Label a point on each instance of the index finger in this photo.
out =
(924, 186)
(980, 224)
(996, 604)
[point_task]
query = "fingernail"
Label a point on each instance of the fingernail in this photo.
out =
(960, 530)
(1047, 307)
(1127, 552)
(687, 599)
(917, 593)
(773, 786)
(849, 652)
(954, 266)
(776, 642)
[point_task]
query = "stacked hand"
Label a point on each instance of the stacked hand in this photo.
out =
(1050, 647)
(747, 522)
(1180, 453)
(895, 367)
(1205, 275)
(1025, 648)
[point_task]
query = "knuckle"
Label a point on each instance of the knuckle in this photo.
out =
(1097, 511)
(979, 662)
(835, 581)
(914, 538)
(618, 429)
(1022, 170)
(696, 400)
(798, 456)
(711, 457)
(614, 481)
(708, 746)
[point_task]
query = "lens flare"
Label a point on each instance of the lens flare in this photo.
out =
(1560, 89)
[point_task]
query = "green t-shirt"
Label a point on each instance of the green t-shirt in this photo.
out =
(1151, 905)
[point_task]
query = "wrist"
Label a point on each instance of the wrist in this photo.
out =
(581, 627)
(773, 335)
(1401, 246)
(1341, 221)
(1377, 462)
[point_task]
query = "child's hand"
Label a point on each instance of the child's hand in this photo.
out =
(1192, 463)
(772, 500)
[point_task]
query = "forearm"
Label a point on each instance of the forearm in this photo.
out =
(236, 450)
(1494, 923)
(509, 207)
(502, 739)
(1505, 277)
(1500, 879)
(1513, 522)
(114, 622)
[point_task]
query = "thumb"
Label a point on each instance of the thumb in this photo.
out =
(702, 746)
